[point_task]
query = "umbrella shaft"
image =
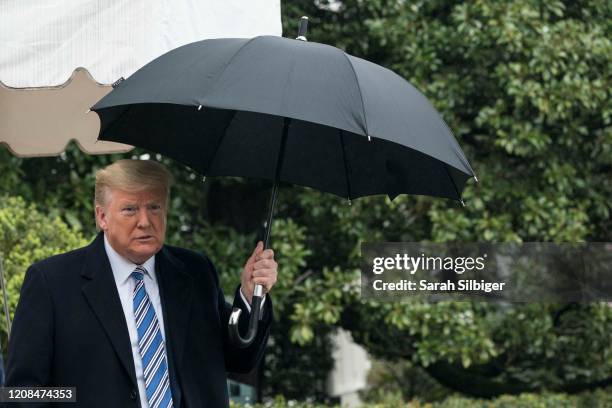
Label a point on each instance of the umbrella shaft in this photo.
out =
(270, 215)
(279, 165)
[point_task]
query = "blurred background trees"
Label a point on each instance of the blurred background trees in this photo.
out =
(524, 85)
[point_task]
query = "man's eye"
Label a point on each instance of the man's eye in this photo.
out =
(128, 209)
(155, 207)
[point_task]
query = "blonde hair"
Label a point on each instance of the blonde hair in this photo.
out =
(132, 175)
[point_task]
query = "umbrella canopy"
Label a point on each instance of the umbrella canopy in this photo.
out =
(288, 111)
(227, 107)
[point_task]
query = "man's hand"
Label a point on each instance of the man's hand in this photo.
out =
(259, 268)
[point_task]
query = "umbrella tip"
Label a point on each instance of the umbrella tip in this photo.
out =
(475, 178)
(369, 138)
(200, 107)
(462, 203)
(302, 29)
(87, 111)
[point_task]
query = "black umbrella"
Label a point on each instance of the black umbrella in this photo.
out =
(291, 111)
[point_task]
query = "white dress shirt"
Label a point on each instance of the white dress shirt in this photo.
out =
(122, 270)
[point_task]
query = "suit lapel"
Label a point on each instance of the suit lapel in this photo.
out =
(176, 293)
(101, 293)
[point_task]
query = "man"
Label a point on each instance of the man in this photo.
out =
(130, 321)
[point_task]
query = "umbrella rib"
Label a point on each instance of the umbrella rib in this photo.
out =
(217, 81)
(212, 158)
(346, 166)
(121, 115)
(365, 120)
(452, 181)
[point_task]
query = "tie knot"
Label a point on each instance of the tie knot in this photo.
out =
(138, 273)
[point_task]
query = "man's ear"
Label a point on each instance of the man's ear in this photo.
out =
(101, 217)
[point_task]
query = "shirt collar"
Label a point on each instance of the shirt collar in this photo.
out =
(122, 267)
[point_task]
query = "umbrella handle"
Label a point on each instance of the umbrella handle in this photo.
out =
(234, 334)
(232, 327)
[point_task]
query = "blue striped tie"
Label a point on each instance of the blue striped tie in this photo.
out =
(152, 348)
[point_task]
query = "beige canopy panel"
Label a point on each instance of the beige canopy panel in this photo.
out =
(44, 120)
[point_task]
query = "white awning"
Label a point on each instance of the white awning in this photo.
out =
(43, 41)
(59, 57)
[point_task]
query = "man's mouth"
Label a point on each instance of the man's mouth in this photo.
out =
(144, 238)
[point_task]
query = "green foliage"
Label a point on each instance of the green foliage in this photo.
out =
(28, 236)
(300, 349)
(596, 399)
(455, 332)
(61, 186)
(525, 86)
(403, 381)
(534, 347)
(551, 347)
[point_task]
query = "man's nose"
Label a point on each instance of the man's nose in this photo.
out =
(143, 219)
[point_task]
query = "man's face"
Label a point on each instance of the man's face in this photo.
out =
(134, 222)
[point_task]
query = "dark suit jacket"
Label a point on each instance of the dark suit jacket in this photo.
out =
(70, 330)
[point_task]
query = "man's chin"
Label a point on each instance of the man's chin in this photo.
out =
(143, 252)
